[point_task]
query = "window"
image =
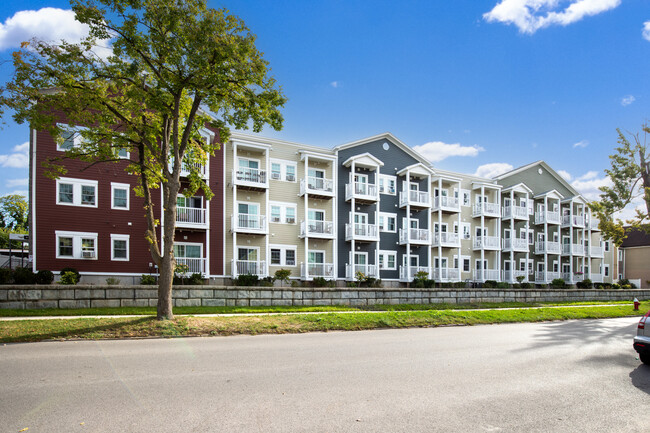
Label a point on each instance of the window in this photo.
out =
(283, 255)
(531, 237)
(70, 137)
(76, 245)
(387, 260)
(122, 153)
(466, 264)
(76, 192)
(620, 255)
(467, 230)
(387, 222)
(466, 197)
(120, 196)
(283, 170)
(522, 265)
(276, 171)
(290, 173)
(387, 184)
(120, 247)
(606, 245)
(283, 213)
(188, 251)
(606, 273)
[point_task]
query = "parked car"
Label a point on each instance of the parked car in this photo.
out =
(642, 339)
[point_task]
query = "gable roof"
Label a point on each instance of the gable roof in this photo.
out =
(636, 238)
(390, 137)
(546, 167)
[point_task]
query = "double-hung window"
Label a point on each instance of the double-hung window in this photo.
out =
(76, 245)
(283, 213)
(76, 192)
(119, 247)
(283, 170)
(283, 255)
(120, 196)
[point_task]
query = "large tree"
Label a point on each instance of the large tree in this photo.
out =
(14, 213)
(176, 66)
(630, 175)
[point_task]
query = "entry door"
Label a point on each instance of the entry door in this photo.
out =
(415, 260)
(316, 257)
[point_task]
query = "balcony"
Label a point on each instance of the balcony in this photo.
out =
(202, 169)
(516, 212)
(487, 243)
(575, 221)
(408, 273)
(547, 217)
(573, 249)
(361, 232)
(596, 252)
(515, 244)
(546, 277)
(246, 223)
(317, 229)
(415, 236)
(190, 217)
(250, 178)
(511, 275)
(317, 270)
(419, 199)
(446, 204)
(317, 186)
(592, 225)
(542, 247)
(249, 267)
(444, 239)
(194, 265)
(364, 192)
(352, 271)
(446, 274)
(570, 278)
(597, 278)
(486, 209)
(486, 274)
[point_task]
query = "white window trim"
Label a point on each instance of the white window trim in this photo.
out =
(385, 178)
(317, 251)
(283, 212)
(384, 227)
(76, 191)
(189, 244)
(283, 254)
(246, 247)
(383, 255)
(77, 138)
(283, 170)
(77, 238)
(468, 193)
(469, 261)
(115, 186)
(126, 238)
(469, 232)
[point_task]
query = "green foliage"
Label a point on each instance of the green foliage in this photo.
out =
(74, 271)
(24, 276)
(147, 280)
(44, 277)
(69, 278)
(267, 281)
(421, 281)
(558, 283)
(520, 279)
(195, 279)
(322, 282)
(584, 284)
(459, 285)
(630, 175)
(6, 276)
(246, 280)
(490, 284)
(112, 281)
(14, 212)
(283, 275)
(525, 285)
(503, 285)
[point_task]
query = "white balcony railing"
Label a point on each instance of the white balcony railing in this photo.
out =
(361, 232)
(576, 221)
(574, 249)
(361, 191)
(542, 247)
(317, 185)
(486, 274)
(546, 277)
(592, 224)
(194, 265)
(444, 239)
(572, 278)
(415, 198)
(517, 212)
(317, 229)
(596, 278)
(249, 267)
(249, 223)
(415, 236)
(515, 244)
(487, 209)
(511, 275)
(547, 217)
(487, 243)
(311, 270)
(250, 177)
(446, 274)
(352, 271)
(596, 252)
(190, 216)
(201, 168)
(446, 203)
(408, 273)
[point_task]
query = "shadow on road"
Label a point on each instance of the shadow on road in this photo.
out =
(641, 378)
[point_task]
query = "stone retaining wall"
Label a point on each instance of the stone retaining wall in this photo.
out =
(87, 296)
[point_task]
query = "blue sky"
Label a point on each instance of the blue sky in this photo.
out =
(476, 85)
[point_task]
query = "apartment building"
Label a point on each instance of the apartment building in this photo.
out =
(373, 207)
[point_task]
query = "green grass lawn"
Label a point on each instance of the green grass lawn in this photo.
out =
(123, 327)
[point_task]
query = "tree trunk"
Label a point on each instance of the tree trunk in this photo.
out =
(167, 261)
(165, 284)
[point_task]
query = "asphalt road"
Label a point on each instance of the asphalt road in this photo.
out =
(555, 377)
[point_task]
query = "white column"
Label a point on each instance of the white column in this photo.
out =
(439, 228)
(527, 229)
(497, 253)
(429, 264)
(235, 212)
(377, 244)
(482, 233)
(545, 238)
(266, 213)
(512, 236)
(570, 242)
(460, 230)
(354, 204)
(306, 179)
(406, 190)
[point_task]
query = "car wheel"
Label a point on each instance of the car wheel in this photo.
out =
(645, 358)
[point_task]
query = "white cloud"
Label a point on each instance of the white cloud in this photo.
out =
(532, 15)
(335, 84)
(581, 143)
(587, 184)
(493, 169)
(627, 100)
(11, 183)
(565, 174)
(646, 31)
(18, 159)
(436, 151)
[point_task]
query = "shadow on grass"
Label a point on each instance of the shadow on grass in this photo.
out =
(641, 378)
(77, 328)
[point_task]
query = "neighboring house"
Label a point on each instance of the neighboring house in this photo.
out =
(374, 206)
(634, 256)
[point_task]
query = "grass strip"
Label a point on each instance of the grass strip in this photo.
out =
(101, 328)
(144, 311)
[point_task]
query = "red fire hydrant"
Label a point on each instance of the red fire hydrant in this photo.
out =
(636, 304)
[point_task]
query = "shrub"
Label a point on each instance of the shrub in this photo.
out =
(558, 283)
(24, 276)
(247, 280)
(44, 277)
(195, 279)
(295, 283)
(585, 284)
(422, 281)
(503, 285)
(490, 284)
(69, 278)
(74, 271)
(112, 281)
(525, 285)
(147, 280)
(459, 285)
(616, 286)
(283, 275)
(320, 282)
(267, 281)
(6, 276)
(520, 279)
